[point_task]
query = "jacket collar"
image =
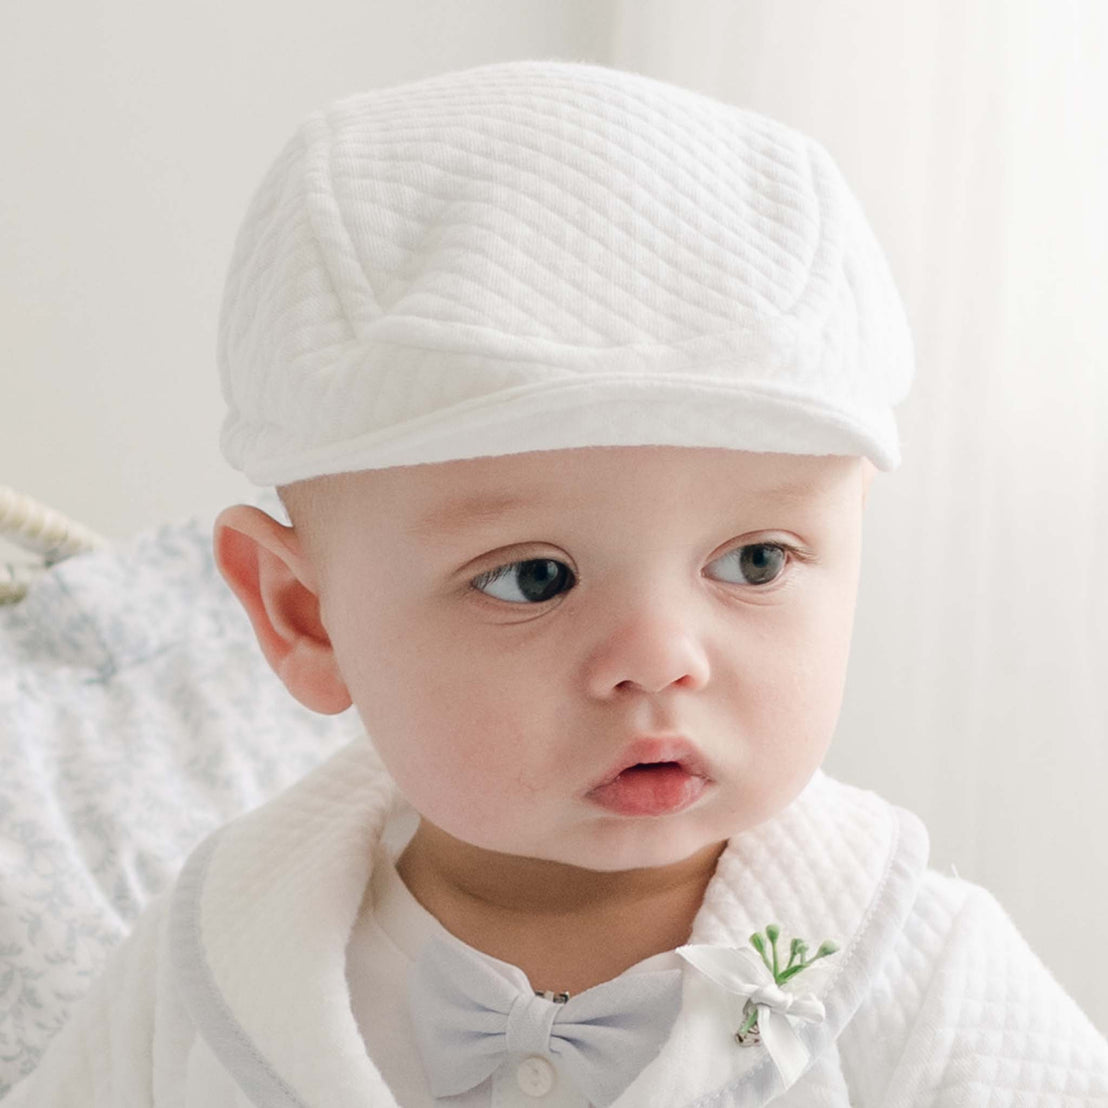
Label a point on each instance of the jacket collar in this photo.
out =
(262, 913)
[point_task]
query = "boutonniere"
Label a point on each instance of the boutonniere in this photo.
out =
(770, 1011)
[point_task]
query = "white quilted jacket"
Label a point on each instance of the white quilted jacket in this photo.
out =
(231, 991)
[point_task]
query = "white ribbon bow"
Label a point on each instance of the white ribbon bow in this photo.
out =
(742, 972)
(467, 1018)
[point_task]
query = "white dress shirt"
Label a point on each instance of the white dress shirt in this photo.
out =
(390, 930)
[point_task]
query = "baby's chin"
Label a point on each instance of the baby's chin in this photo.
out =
(640, 860)
(588, 838)
(638, 844)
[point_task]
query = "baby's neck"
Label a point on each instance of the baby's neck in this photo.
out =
(567, 928)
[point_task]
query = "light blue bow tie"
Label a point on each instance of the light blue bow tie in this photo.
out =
(467, 1017)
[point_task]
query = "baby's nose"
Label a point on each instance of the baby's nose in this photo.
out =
(649, 655)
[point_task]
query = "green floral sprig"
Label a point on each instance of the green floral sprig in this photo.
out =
(798, 948)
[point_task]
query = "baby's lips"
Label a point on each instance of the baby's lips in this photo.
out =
(652, 749)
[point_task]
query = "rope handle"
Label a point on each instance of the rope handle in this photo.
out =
(42, 530)
(16, 580)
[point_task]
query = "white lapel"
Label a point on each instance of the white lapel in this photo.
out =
(260, 922)
(839, 863)
(264, 909)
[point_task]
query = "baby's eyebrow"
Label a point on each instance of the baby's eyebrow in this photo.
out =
(467, 511)
(478, 509)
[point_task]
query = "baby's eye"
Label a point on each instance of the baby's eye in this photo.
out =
(536, 580)
(759, 563)
(531, 581)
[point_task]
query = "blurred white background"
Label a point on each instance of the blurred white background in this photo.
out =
(975, 133)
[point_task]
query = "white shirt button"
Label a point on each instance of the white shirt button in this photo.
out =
(536, 1076)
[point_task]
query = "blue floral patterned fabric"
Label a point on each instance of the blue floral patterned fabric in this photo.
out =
(136, 715)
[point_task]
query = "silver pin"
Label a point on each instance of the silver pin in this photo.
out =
(557, 998)
(751, 1037)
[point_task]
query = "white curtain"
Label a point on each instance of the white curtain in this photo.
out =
(976, 135)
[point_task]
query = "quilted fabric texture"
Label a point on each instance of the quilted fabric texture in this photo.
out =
(539, 254)
(231, 990)
(136, 714)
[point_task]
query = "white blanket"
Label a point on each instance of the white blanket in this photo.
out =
(232, 990)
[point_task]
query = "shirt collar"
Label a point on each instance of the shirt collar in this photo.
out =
(410, 926)
(268, 969)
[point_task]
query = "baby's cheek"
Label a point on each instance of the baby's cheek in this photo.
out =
(461, 790)
(772, 768)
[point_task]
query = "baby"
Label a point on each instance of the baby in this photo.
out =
(573, 384)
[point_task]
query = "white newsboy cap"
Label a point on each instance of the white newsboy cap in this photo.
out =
(541, 254)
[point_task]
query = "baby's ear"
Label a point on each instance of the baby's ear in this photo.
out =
(262, 562)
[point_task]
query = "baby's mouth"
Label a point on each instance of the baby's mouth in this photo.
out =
(657, 770)
(653, 754)
(650, 789)
(656, 776)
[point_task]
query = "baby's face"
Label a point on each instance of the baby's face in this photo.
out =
(508, 661)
